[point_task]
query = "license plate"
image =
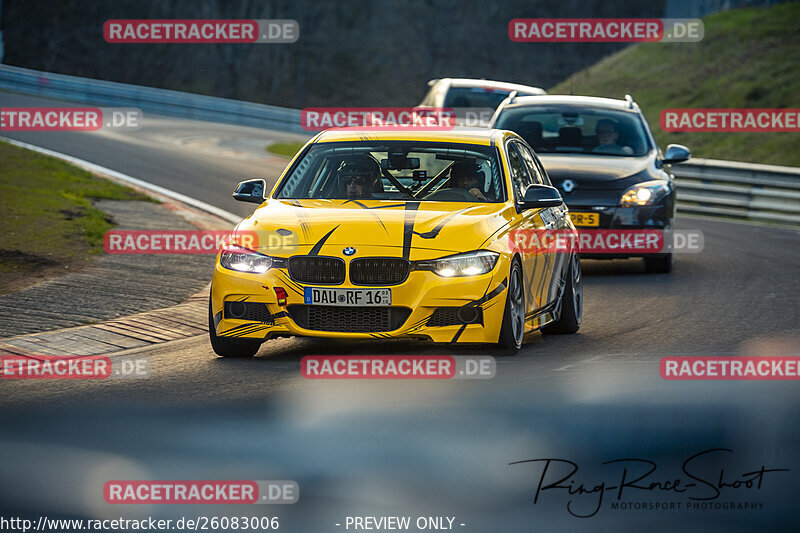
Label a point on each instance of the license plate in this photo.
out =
(347, 297)
(585, 219)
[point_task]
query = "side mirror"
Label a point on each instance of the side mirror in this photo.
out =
(250, 191)
(540, 196)
(676, 153)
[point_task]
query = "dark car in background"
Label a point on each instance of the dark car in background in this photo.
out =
(601, 154)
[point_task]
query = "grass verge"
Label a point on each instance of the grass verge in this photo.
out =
(287, 149)
(49, 223)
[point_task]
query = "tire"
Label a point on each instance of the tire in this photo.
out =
(227, 347)
(512, 330)
(659, 264)
(571, 304)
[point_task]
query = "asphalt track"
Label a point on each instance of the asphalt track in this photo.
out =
(202, 160)
(440, 448)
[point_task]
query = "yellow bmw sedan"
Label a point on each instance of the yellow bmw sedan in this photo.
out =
(398, 234)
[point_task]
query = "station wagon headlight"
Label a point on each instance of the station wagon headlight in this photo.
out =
(243, 260)
(644, 193)
(468, 264)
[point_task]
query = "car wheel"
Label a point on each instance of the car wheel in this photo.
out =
(227, 347)
(571, 305)
(660, 264)
(513, 329)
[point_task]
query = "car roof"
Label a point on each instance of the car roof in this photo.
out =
(491, 84)
(481, 136)
(563, 99)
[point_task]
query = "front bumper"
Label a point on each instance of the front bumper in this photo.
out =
(414, 307)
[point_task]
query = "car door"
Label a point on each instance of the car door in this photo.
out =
(554, 218)
(537, 262)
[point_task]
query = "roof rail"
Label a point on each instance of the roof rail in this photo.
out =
(629, 99)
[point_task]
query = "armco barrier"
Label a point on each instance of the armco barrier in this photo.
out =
(723, 188)
(149, 99)
(764, 193)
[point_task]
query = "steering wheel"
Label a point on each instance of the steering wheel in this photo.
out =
(454, 194)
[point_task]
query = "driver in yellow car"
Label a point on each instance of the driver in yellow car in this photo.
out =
(358, 177)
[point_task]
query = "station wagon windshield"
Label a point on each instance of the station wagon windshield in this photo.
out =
(578, 130)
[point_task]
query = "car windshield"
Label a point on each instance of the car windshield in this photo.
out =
(581, 130)
(477, 97)
(396, 170)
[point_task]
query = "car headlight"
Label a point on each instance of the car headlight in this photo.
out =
(645, 193)
(243, 260)
(467, 264)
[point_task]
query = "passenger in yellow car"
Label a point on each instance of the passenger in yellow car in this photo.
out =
(467, 176)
